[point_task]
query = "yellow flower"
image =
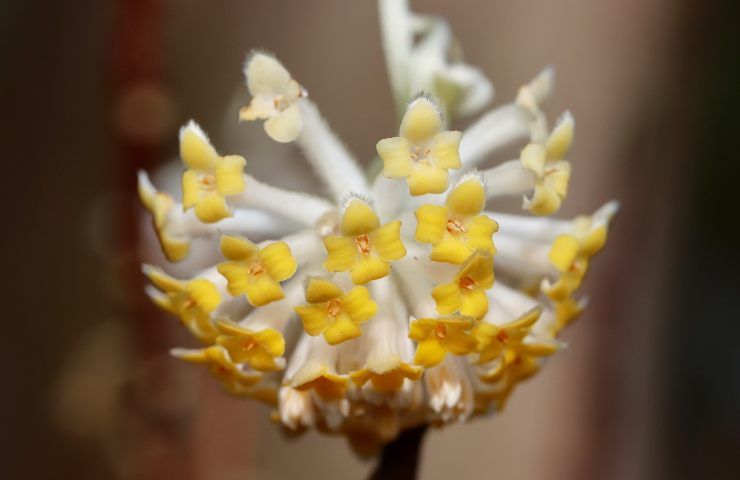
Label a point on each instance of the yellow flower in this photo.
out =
(193, 301)
(160, 205)
(254, 271)
(234, 379)
(571, 253)
(332, 312)
(495, 340)
(364, 248)
(438, 336)
(423, 153)
(466, 292)
(551, 170)
(208, 177)
(388, 379)
(457, 229)
(275, 97)
(256, 348)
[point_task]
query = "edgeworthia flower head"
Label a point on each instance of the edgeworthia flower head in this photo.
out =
(377, 308)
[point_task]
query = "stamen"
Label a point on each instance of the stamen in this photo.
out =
(208, 182)
(455, 226)
(363, 244)
(333, 307)
(502, 337)
(256, 269)
(440, 331)
(467, 283)
(250, 344)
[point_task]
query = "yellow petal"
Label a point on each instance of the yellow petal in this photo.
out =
(174, 249)
(263, 361)
(421, 121)
(447, 297)
(544, 201)
(557, 176)
(452, 249)
(211, 208)
(563, 252)
(386, 241)
(320, 290)
(396, 156)
(431, 223)
(162, 281)
(195, 149)
(358, 305)
(341, 329)
(368, 268)
(204, 293)
(533, 158)
(559, 142)
(358, 219)
(446, 150)
(429, 353)
(279, 261)
(313, 317)
(427, 179)
(480, 233)
(479, 267)
(229, 178)
(286, 125)
(594, 241)
(260, 107)
(262, 289)
(237, 248)
(192, 189)
(271, 341)
(474, 303)
(237, 275)
(266, 75)
(467, 199)
(342, 253)
(459, 342)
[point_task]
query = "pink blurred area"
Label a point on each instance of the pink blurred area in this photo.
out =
(96, 90)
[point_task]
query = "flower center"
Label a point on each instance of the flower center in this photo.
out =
(502, 337)
(208, 182)
(281, 103)
(467, 283)
(420, 154)
(440, 331)
(333, 307)
(250, 344)
(363, 244)
(455, 226)
(256, 269)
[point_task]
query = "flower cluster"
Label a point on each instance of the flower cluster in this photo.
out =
(377, 309)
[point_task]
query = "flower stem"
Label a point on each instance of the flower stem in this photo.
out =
(400, 458)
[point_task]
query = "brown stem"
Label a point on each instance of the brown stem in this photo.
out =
(399, 459)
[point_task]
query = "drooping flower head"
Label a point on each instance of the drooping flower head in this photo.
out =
(399, 299)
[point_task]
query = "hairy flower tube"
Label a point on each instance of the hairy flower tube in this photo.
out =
(401, 298)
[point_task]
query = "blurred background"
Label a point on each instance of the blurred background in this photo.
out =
(93, 90)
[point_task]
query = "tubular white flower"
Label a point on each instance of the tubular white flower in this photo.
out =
(378, 309)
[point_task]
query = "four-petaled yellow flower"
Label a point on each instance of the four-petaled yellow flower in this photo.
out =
(254, 271)
(466, 292)
(390, 378)
(438, 336)
(457, 229)
(336, 314)
(495, 340)
(364, 248)
(193, 301)
(160, 205)
(235, 380)
(275, 97)
(258, 349)
(551, 170)
(570, 255)
(209, 178)
(423, 153)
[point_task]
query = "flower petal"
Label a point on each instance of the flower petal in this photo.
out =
(320, 290)
(467, 199)
(559, 142)
(261, 290)
(279, 261)
(368, 268)
(229, 178)
(266, 75)
(358, 305)
(359, 219)
(196, 150)
(237, 275)
(286, 125)
(447, 297)
(386, 241)
(192, 189)
(237, 248)
(396, 157)
(474, 303)
(204, 293)
(421, 121)
(427, 179)
(563, 252)
(211, 208)
(431, 223)
(429, 353)
(446, 150)
(342, 253)
(452, 249)
(341, 329)
(480, 233)
(313, 317)
(533, 157)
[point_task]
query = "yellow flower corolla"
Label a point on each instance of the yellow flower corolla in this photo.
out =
(258, 349)
(389, 377)
(256, 272)
(438, 336)
(551, 170)
(193, 301)
(160, 205)
(221, 365)
(423, 154)
(336, 314)
(274, 98)
(457, 229)
(323, 380)
(466, 292)
(571, 253)
(209, 178)
(364, 248)
(495, 340)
